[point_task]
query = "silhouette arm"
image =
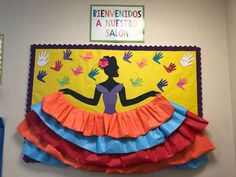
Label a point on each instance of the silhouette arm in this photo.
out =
(127, 102)
(91, 101)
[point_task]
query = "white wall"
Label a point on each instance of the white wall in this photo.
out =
(231, 33)
(168, 22)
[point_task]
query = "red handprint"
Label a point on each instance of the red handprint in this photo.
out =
(142, 63)
(181, 83)
(57, 66)
(170, 68)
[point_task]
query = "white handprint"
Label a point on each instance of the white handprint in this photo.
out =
(43, 58)
(186, 60)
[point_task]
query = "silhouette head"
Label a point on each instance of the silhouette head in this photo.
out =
(112, 69)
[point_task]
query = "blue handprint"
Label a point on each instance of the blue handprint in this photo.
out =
(157, 57)
(127, 56)
(41, 75)
(93, 72)
(162, 83)
(67, 54)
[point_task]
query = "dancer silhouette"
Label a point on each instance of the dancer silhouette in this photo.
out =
(109, 90)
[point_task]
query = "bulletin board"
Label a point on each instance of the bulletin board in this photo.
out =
(174, 72)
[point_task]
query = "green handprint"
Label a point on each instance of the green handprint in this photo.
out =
(137, 82)
(64, 81)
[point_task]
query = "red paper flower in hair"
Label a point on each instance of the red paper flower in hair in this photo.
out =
(103, 62)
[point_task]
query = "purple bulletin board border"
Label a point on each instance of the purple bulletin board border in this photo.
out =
(114, 47)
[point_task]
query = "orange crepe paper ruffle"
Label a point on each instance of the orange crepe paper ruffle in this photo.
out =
(131, 123)
(200, 146)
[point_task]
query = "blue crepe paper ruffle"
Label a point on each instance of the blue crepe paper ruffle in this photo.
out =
(37, 154)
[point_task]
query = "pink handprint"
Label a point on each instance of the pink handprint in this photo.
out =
(170, 68)
(87, 56)
(78, 70)
(57, 66)
(181, 83)
(142, 63)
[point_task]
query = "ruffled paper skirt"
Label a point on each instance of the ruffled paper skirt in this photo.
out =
(154, 136)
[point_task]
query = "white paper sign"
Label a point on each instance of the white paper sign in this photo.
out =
(116, 23)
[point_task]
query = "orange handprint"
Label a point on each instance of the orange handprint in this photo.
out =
(87, 56)
(142, 63)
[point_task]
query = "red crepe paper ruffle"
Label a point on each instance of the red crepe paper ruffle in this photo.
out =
(200, 146)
